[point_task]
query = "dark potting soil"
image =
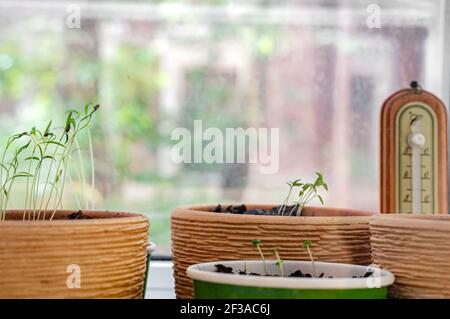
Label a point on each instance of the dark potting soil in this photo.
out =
(223, 269)
(78, 215)
(220, 268)
(242, 209)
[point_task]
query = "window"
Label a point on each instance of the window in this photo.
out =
(314, 69)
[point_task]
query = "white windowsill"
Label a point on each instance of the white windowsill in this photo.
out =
(160, 284)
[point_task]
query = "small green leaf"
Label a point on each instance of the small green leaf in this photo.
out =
(307, 244)
(55, 143)
(320, 198)
(47, 129)
(86, 108)
(68, 122)
(256, 242)
(24, 147)
(41, 152)
(69, 112)
(22, 174)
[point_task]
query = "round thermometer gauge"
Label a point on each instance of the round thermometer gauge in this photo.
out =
(414, 154)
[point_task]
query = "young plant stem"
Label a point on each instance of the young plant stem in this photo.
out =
(83, 179)
(64, 170)
(256, 244)
(279, 262)
(66, 154)
(91, 151)
(44, 145)
(77, 197)
(31, 159)
(307, 193)
(4, 195)
(286, 201)
(312, 261)
(14, 163)
(47, 180)
(307, 244)
(36, 174)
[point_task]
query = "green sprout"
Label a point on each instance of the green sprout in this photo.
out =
(308, 192)
(279, 262)
(291, 185)
(42, 157)
(308, 244)
(256, 243)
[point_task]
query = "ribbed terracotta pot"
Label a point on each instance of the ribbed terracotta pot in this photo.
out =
(416, 248)
(37, 258)
(199, 236)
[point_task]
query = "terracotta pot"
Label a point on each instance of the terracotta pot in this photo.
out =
(37, 258)
(199, 235)
(416, 248)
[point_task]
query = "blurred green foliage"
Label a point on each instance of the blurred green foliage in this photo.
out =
(53, 71)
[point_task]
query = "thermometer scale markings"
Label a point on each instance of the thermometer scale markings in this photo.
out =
(415, 140)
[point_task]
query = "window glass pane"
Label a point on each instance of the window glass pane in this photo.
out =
(314, 69)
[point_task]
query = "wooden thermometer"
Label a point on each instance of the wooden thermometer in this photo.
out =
(414, 153)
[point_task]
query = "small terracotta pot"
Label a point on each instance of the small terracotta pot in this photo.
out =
(38, 259)
(416, 248)
(199, 236)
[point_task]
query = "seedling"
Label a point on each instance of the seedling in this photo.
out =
(42, 157)
(279, 261)
(308, 244)
(291, 185)
(308, 192)
(256, 243)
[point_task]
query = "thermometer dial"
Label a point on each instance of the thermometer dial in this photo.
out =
(414, 154)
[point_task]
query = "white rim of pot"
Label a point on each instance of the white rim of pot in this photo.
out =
(385, 278)
(151, 247)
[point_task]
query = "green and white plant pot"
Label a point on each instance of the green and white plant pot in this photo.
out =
(209, 284)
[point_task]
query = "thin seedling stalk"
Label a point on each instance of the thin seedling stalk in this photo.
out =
(91, 151)
(256, 244)
(56, 178)
(29, 192)
(64, 170)
(83, 179)
(286, 201)
(4, 196)
(312, 261)
(49, 173)
(263, 260)
(77, 197)
(279, 262)
(40, 150)
(307, 244)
